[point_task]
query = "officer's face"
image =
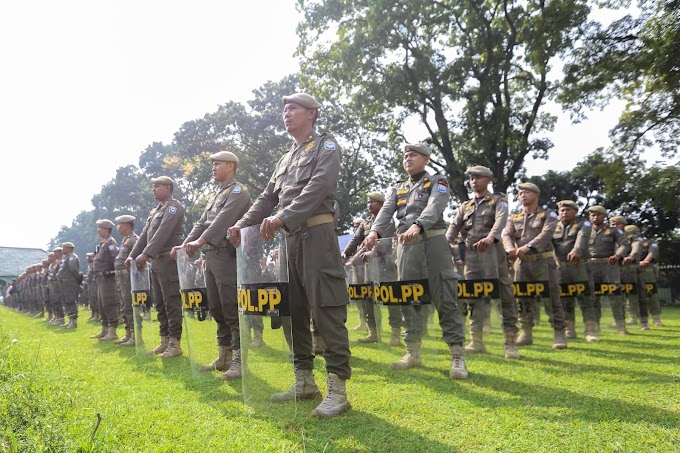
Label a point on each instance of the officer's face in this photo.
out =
(58, 256)
(617, 225)
(67, 250)
(597, 218)
(415, 162)
(161, 192)
(50, 258)
(567, 214)
(296, 118)
(221, 170)
(479, 183)
(103, 232)
(373, 206)
(527, 197)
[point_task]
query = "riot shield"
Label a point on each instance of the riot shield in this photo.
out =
(145, 322)
(263, 300)
(359, 292)
(200, 337)
(400, 288)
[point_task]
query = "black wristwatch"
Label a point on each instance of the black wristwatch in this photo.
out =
(417, 222)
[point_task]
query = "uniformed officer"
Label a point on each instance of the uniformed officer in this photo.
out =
(92, 289)
(359, 255)
(69, 277)
(56, 296)
(125, 225)
(45, 282)
(303, 186)
(419, 203)
(630, 269)
(163, 231)
(570, 240)
(527, 238)
(355, 267)
(230, 203)
(648, 276)
(607, 248)
(105, 276)
(481, 221)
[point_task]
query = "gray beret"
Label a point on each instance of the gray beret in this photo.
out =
(224, 156)
(57, 249)
(529, 186)
(419, 148)
(166, 180)
(377, 196)
(68, 244)
(568, 203)
(597, 209)
(302, 99)
(619, 219)
(125, 219)
(631, 229)
(105, 223)
(479, 170)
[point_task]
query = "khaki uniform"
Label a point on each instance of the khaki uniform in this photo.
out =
(424, 198)
(477, 219)
(56, 296)
(45, 289)
(630, 273)
(229, 204)
(536, 228)
(604, 243)
(649, 302)
(303, 186)
(92, 291)
(105, 277)
(123, 281)
(162, 232)
(68, 275)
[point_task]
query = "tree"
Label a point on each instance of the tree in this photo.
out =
(475, 73)
(634, 59)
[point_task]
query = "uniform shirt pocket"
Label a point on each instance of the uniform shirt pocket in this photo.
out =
(303, 168)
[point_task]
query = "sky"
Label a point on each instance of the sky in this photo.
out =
(86, 86)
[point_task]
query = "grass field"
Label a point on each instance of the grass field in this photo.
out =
(622, 394)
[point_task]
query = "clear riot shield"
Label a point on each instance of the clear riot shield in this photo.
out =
(199, 337)
(147, 335)
(400, 288)
(359, 291)
(263, 300)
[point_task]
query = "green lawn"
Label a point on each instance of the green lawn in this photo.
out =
(622, 394)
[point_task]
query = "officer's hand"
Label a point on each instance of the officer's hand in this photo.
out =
(141, 261)
(614, 259)
(269, 226)
(644, 264)
(574, 257)
(234, 235)
(512, 254)
(371, 240)
(523, 250)
(410, 235)
(343, 256)
(192, 246)
(365, 256)
(628, 260)
(128, 263)
(482, 245)
(175, 249)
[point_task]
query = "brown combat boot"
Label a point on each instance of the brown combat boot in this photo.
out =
(258, 341)
(621, 328)
(571, 330)
(126, 338)
(591, 332)
(644, 325)
(100, 334)
(234, 371)
(372, 336)
(395, 337)
(657, 321)
(222, 362)
(160, 349)
(458, 369)
(511, 351)
(111, 335)
(319, 345)
(526, 337)
(72, 324)
(57, 322)
(173, 350)
(476, 341)
(411, 359)
(304, 388)
(560, 339)
(335, 402)
(130, 341)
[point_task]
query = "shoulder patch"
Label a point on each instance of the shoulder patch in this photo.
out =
(329, 145)
(620, 231)
(587, 224)
(553, 215)
(655, 245)
(172, 210)
(112, 247)
(236, 190)
(309, 146)
(71, 258)
(441, 188)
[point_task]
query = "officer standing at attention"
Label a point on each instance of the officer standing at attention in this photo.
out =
(528, 240)
(648, 275)
(607, 248)
(230, 203)
(571, 255)
(105, 276)
(56, 296)
(92, 289)
(630, 270)
(482, 220)
(355, 249)
(69, 276)
(419, 203)
(126, 228)
(45, 284)
(303, 186)
(163, 231)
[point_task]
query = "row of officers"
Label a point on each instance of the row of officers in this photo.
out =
(300, 201)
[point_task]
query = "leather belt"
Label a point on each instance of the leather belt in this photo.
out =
(599, 260)
(313, 221)
(121, 271)
(538, 256)
(105, 274)
(433, 233)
